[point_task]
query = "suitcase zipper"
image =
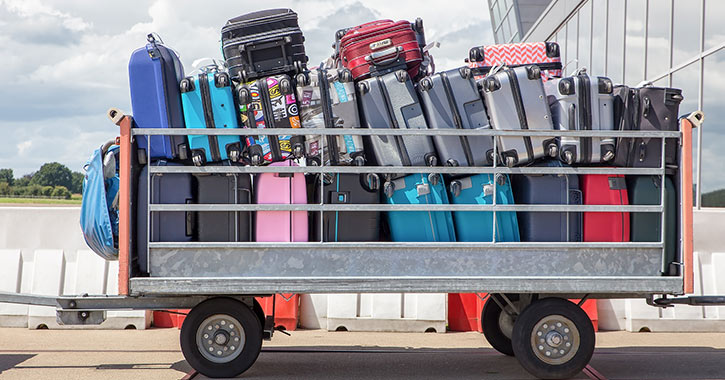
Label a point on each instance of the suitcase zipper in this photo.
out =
(269, 118)
(516, 90)
(327, 115)
(457, 117)
(483, 70)
(404, 158)
(585, 116)
(208, 115)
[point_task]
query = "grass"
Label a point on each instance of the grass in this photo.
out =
(41, 201)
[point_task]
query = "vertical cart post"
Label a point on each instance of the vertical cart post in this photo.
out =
(693, 120)
(124, 199)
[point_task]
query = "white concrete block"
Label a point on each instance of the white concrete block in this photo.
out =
(342, 305)
(140, 319)
(48, 275)
(430, 307)
(11, 267)
(313, 311)
(718, 279)
(91, 272)
(612, 314)
(387, 306)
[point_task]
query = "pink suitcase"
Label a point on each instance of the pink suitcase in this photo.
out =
(281, 188)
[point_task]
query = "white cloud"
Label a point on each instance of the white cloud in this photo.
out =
(24, 146)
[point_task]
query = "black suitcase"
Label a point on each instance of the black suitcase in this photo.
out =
(223, 226)
(550, 189)
(263, 43)
(451, 101)
(645, 109)
(168, 226)
(345, 226)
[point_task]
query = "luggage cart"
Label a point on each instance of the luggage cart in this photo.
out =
(528, 312)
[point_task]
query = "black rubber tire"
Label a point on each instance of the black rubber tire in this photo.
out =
(491, 327)
(252, 330)
(527, 321)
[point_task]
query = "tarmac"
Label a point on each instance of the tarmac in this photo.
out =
(314, 354)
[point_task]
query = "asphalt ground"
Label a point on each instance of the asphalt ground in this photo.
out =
(155, 354)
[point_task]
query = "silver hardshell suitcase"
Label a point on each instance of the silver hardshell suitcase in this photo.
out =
(451, 100)
(327, 100)
(583, 103)
(390, 101)
(515, 100)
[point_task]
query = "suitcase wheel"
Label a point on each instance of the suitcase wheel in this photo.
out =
(302, 79)
(371, 182)
(533, 72)
(510, 161)
(433, 178)
(256, 159)
(568, 156)
(234, 154)
(431, 160)
(285, 85)
(501, 179)
(363, 87)
(402, 75)
(465, 72)
(245, 97)
(566, 86)
(476, 54)
(298, 151)
(389, 189)
(491, 84)
(186, 85)
(426, 84)
(608, 153)
(197, 158)
(346, 76)
(455, 188)
(221, 80)
(553, 150)
(418, 25)
(452, 162)
(358, 161)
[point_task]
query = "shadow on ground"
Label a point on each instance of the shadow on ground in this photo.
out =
(8, 361)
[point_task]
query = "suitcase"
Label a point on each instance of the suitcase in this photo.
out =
(270, 103)
(451, 101)
(154, 72)
(390, 101)
(647, 226)
(380, 47)
(327, 100)
(208, 103)
(546, 55)
(549, 189)
(515, 100)
(646, 109)
(346, 226)
(605, 189)
(281, 188)
(168, 226)
(476, 226)
(223, 226)
(419, 226)
(263, 43)
(582, 102)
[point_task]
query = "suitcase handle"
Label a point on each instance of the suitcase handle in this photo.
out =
(374, 57)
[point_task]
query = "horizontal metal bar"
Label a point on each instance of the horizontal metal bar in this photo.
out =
(448, 246)
(127, 303)
(402, 169)
(630, 285)
(402, 207)
(395, 132)
(28, 299)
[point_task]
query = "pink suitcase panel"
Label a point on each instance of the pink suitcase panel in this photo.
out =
(273, 188)
(521, 54)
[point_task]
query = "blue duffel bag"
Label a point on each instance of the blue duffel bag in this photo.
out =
(99, 209)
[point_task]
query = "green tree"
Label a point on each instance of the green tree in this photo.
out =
(6, 175)
(24, 180)
(76, 183)
(5, 189)
(61, 192)
(53, 174)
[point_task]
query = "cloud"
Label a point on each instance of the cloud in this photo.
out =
(23, 146)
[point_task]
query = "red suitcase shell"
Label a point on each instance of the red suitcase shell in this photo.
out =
(605, 189)
(380, 43)
(546, 55)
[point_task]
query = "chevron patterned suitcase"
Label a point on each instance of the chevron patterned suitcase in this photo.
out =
(546, 55)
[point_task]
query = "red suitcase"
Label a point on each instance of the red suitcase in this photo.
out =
(605, 189)
(546, 55)
(379, 47)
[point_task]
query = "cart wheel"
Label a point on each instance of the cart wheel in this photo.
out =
(497, 325)
(553, 339)
(197, 158)
(221, 337)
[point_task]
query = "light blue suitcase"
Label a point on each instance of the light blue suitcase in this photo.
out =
(477, 226)
(208, 103)
(419, 226)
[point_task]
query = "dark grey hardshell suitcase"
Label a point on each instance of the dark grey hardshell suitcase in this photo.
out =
(223, 226)
(646, 109)
(515, 100)
(263, 43)
(451, 101)
(169, 226)
(390, 101)
(550, 189)
(582, 103)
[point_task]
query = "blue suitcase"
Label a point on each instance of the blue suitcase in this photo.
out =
(208, 103)
(168, 226)
(419, 225)
(154, 72)
(478, 225)
(549, 189)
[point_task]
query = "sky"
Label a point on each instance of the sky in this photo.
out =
(65, 62)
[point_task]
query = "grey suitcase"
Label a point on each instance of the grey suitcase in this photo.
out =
(223, 226)
(451, 101)
(515, 100)
(582, 103)
(327, 100)
(390, 101)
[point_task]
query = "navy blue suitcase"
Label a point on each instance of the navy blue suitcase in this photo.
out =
(171, 226)
(154, 73)
(549, 189)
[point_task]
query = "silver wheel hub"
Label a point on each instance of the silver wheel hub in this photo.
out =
(555, 340)
(220, 338)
